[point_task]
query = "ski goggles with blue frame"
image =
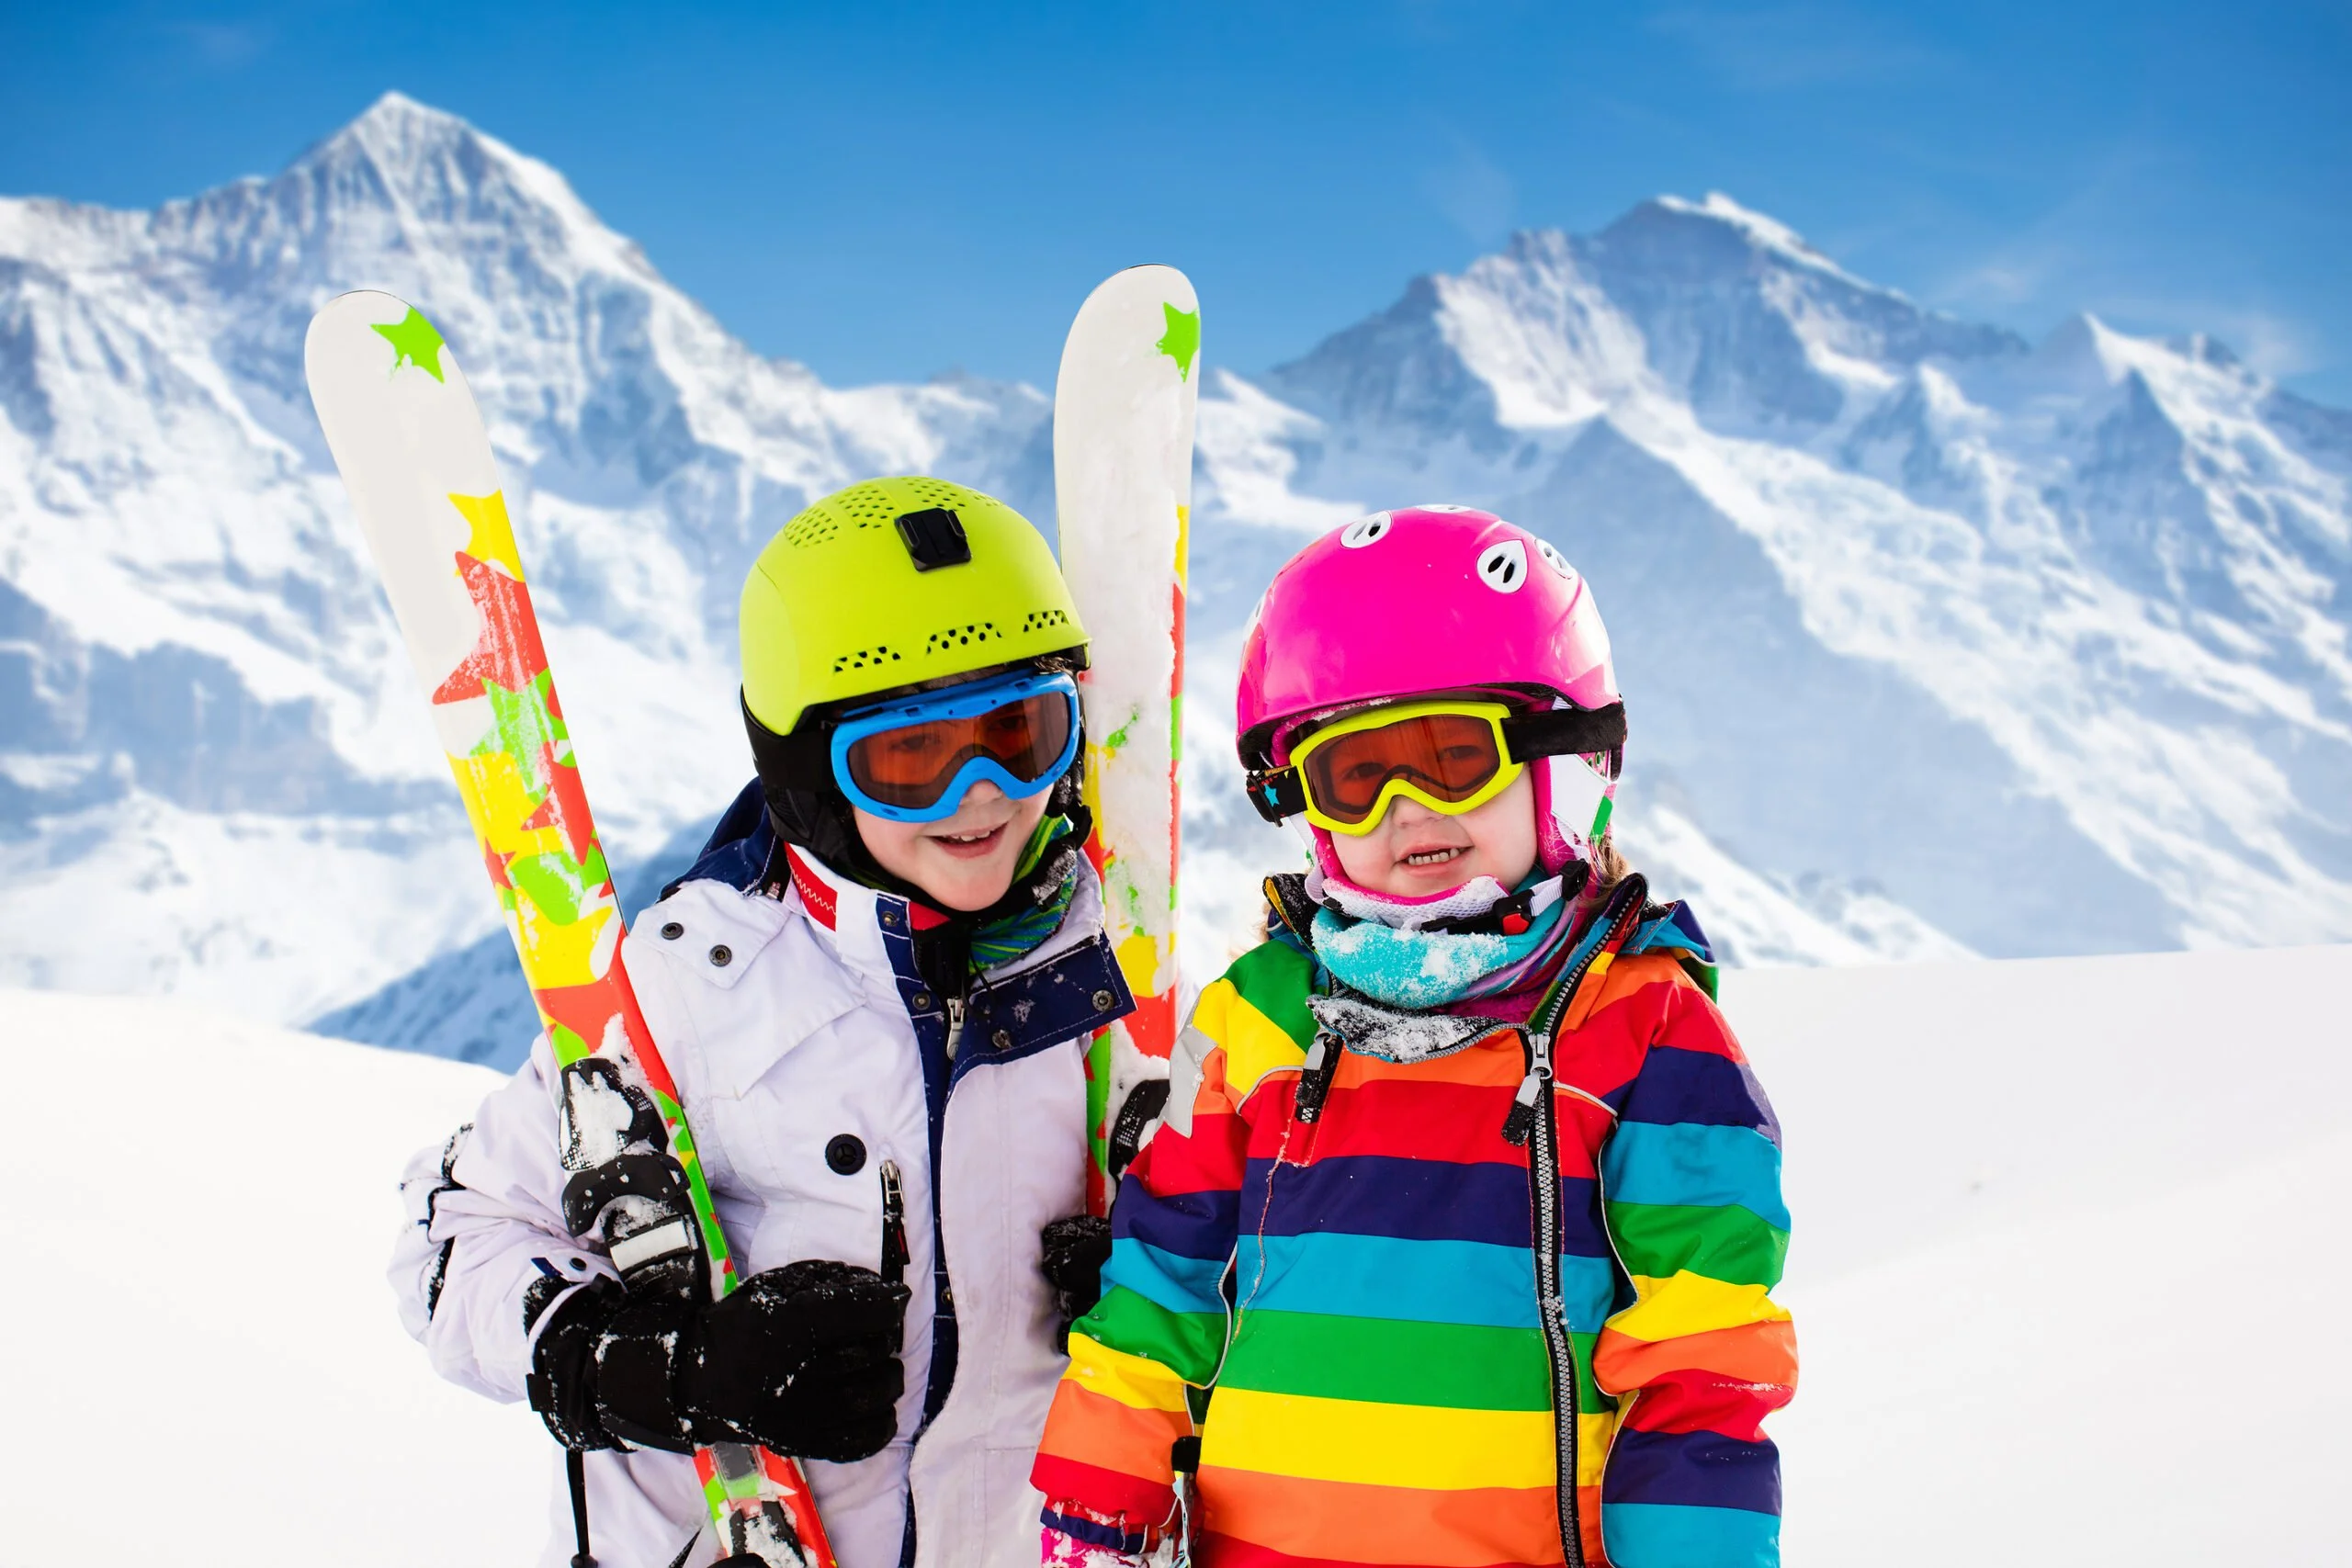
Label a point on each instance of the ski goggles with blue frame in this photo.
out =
(912, 759)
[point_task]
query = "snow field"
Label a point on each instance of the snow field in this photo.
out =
(201, 1348)
(2066, 1274)
(2067, 1267)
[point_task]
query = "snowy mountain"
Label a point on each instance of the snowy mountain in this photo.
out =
(217, 778)
(2044, 645)
(1989, 1286)
(1935, 641)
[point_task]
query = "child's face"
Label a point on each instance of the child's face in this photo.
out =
(1414, 852)
(965, 862)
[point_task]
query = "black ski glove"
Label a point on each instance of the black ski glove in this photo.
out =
(802, 1359)
(562, 1382)
(1074, 1252)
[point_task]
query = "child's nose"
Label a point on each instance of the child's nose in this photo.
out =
(1406, 812)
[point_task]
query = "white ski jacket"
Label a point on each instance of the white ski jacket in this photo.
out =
(786, 1002)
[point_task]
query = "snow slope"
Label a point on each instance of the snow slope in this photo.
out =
(1935, 641)
(201, 1349)
(2062, 1265)
(2048, 1214)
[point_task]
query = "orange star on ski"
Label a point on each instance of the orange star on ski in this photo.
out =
(509, 653)
(565, 807)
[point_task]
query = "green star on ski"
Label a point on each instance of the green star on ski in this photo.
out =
(415, 343)
(527, 728)
(1179, 343)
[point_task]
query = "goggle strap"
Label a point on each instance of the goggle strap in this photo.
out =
(1565, 732)
(802, 759)
(1277, 794)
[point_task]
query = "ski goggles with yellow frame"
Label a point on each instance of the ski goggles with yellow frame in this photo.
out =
(1451, 755)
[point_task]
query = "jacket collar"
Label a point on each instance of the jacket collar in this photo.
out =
(1069, 984)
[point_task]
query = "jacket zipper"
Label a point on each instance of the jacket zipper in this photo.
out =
(954, 1026)
(1533, 1119)
(1543, 1183)
(895, 1255)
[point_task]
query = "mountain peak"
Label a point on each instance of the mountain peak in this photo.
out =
(395, 105)
(447, 187)
(397, 129)
(1751, 229)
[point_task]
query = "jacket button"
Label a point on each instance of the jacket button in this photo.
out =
(722, 955)
(1001, 1039)
(671, 930)
(922, 1000)
(846, 1153)
(1104, 1001)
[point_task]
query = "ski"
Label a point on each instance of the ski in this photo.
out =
(1123, 483)
(409, 441)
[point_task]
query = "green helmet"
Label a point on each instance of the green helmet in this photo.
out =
(891, 583)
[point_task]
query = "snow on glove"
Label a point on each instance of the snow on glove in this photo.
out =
(1074, 1252)
(803, 1360)
(562, 1380)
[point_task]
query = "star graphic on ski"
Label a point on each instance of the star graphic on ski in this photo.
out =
(565, 807)
(414, 342)
(1182, 340)
(509, 654)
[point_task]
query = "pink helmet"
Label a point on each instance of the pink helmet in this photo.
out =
(1421, 599)
(1428, 599)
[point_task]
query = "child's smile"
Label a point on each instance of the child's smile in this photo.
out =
(1413, 851)
(964, 862)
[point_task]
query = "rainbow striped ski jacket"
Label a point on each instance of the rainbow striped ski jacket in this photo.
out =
(1327, 1251)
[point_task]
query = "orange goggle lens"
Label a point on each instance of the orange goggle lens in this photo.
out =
(909, 766)
(1448, 756)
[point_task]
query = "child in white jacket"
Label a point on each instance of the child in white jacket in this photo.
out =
(875, 990)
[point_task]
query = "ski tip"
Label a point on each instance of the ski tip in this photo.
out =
(1147, 277)
(370, 305)
(368, 321)
(1142, 310)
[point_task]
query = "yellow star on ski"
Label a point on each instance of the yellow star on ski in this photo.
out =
(414, 342)
(494, 535)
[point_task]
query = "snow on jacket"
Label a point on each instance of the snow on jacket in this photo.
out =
(787, 1003)
(1359, 1291)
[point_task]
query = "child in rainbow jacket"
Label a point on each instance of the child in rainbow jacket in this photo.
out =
(1454, 1244)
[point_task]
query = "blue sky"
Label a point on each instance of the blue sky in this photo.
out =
(888, 191)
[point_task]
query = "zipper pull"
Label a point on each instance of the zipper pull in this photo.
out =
(895, 1255)
(1518, 1124)
(955, 1025)
(1314, 1080)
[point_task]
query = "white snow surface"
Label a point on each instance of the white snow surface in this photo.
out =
(2048, 1214)
(1935, 642)
(227, 1194)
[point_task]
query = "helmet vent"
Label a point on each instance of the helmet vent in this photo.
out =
(1503, 567)
(865, 658)
(811, 527)
(869, 506)
(963, 637)
(1039, 620)
(932, 492)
